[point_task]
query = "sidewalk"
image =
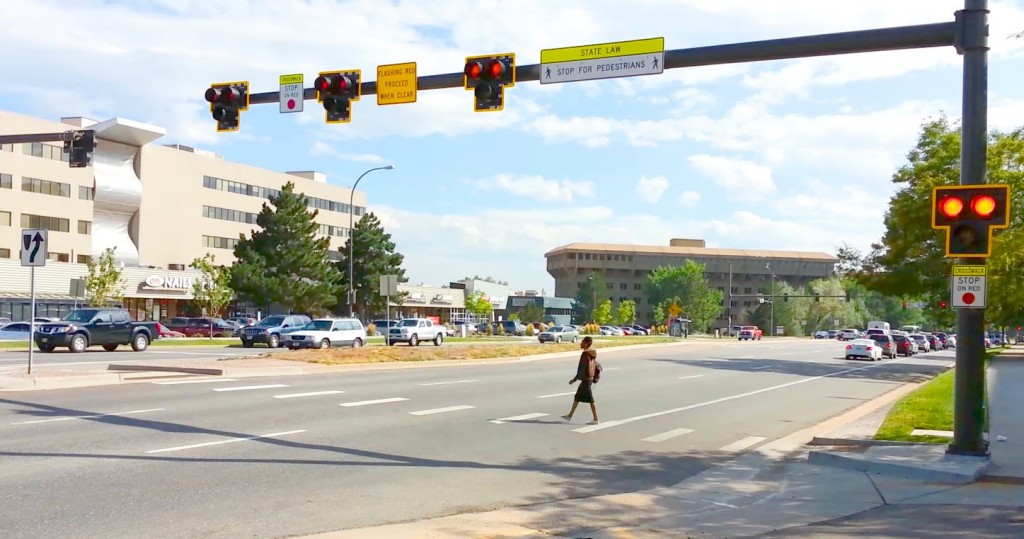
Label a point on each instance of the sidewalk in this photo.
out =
(902, 490)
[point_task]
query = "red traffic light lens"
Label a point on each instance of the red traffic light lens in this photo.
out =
(983, 205)
(951, 206)
(344, 84)
(942, 304)
(321, 84)
(496, 68)
(211, 94)
(473, 70)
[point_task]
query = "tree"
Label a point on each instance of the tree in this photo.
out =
(701, 303)
(910, 261)
(478, 305)
(285, 262)
(531, 312)
(625, 313)
(213, 292)
(603, 313)
(373, 255)
(103, 284)
(592, 290)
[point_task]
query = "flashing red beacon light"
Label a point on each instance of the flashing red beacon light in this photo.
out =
(496, 69)
(322, 84)
(473, 70)
(951, 206)
(983, 206)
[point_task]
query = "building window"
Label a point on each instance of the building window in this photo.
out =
(83, 259)
(6, 181)
(240, 188)
(85, 227)
(225, 214)
(85, 192)
(748, 290)
(46, 151)
(45, 187)
(57, 257)
(5, 218)
(6, 147)
(55, 224)
(638, 286)
(328, 230)
(623, 286)
(217, 242)
(734, 290)
(4, 252)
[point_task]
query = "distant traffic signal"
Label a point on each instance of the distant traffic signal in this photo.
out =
(943, 304)
(227, 100)
(488, 76)
(80, 148)
(337, 90)
(969, 214)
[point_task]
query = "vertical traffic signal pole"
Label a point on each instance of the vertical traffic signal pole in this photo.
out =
(969, 392)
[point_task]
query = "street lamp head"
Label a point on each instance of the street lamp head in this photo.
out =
(389, 167)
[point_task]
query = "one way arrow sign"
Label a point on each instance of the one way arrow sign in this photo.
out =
(34, 249)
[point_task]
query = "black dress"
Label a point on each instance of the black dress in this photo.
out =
(585, 392)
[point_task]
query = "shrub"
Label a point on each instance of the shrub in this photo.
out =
(501, 329)
(529, 330)
(490, 329)
(371, 330)
(544, 327)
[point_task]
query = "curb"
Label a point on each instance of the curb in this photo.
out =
(90, 380)
(241, 372)
(856, 462)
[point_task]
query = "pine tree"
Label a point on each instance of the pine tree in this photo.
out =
(374, 255)
(285, 262)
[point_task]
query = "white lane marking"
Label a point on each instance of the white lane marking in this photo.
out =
(592, 428)
(760, 368)
(311, 394)
(557, 395)
(740, 445)
(447, 383)
(200, 381)
(690, 377)
(745, 357)
(517, 418)
(929, 432)
(443, 410)
(69, 418)
(667, 435)
(246, 388)
(377, 401)
(613, 368)
(222, 442)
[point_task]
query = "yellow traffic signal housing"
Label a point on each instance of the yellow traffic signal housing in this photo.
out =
(337, 90)
(226, 100)
(488, 76)
(970, 214)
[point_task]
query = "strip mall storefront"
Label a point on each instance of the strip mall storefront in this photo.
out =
(149, 293)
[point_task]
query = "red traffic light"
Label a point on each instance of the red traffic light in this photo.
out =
(496, 69)
(473, 70)
(951, 206)
(211, 95)
(321, 84)
(983, 206)
(333, 83)
(942, 304)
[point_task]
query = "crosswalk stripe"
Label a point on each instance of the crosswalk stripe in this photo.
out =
(667, 435)
(443, 410)
(517, 418)
(740, 445)
(376, 401)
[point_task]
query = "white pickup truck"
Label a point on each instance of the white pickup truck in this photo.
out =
(414, 331)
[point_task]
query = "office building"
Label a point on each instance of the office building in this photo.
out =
(739, 273)
(161, 206)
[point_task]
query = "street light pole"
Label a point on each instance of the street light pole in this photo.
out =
(771, 296)
(352, 241)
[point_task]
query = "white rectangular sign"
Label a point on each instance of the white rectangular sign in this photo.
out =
(291, 93)
(969, 287)
(34, 248)
(603, 68)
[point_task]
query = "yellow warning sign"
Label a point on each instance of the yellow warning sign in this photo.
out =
(396, 84)
(969, 271)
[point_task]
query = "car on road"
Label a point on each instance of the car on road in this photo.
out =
(865, 348)
(905, 345)
(886, 343)
(327, 333)
(104, 327)
(416, 330)
(821, 335)
(557, 334)
(849, 334)
(270, 330)
(923, 344)
(750, 333)
(17, 331)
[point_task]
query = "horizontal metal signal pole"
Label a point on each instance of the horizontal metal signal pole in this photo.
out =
(39, 137)
(882, 39)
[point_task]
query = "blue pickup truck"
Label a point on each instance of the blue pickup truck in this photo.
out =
(104, 327)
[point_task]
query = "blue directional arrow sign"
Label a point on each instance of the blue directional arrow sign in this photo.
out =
(34, 249)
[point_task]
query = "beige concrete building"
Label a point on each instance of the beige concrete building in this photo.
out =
(625, 269)
(160, 206)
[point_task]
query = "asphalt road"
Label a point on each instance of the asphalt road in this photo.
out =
(97, 358)
(279, 456)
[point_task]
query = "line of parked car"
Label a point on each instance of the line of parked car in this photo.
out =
(876, 343)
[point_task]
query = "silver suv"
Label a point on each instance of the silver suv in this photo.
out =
(269, 330)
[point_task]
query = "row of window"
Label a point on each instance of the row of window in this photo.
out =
(38, 149)
(328, 230)
(240, 188)
(601, 256)
(51, 256)
(45, 187)
(240, 216)
(55, 224)
(217, 242)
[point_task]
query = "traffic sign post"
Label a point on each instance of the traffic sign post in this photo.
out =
(603, 61)
(34, 252)
(969, 287)
(291, 93)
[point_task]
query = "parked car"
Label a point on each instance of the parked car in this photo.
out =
(4, 321)
(821, 335)
(327, 333)
(270, 330)
(167, 333)
(750, 333)
(416, 330)
(612, 331)
(16, 331)
(108, 328)
(201, 327)
(866, 348)
(557, 334)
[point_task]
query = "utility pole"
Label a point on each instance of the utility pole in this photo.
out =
(728, 304)
(352, 242)
(771, 299)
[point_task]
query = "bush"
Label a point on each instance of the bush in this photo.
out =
(591, 329)
(371, 330)
(544, 327)
(501, 329)
(490, 329)
(529, 330)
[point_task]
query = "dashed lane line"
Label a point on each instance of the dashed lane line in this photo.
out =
(247, 388)
(222, 442)
(557, 395)
(199, 381)
(310, 394)
(94, 416)
(690, 377)
(443, 410)
(375, 401)
(523, 417)
(448, 383)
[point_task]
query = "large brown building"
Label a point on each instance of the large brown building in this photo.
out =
(625, 269)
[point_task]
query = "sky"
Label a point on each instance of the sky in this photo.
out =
(787, 155)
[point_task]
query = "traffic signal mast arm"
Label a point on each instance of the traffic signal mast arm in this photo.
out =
(905, 37)
(79, 144)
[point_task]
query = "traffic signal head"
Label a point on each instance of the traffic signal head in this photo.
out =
(969, 214)
(226, 100)
(337, 90)
(81, 148)
(488, 76)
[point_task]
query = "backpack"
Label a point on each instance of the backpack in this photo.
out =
(597, 371)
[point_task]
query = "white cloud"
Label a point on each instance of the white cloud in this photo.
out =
(737, 177)
(689, 199)
(539, 188)
(651, 189)
(322, 148)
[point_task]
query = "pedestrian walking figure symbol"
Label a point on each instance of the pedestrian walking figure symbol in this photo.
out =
(547, 73)
(655, 62)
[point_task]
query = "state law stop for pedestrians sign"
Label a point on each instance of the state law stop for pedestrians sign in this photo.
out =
(969, 287)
